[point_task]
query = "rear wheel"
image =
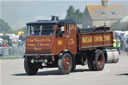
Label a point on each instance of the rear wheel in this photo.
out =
(90, 62)
(65, 64)
(99, 60)
(73, 66)
(96, 61)
(30, 68)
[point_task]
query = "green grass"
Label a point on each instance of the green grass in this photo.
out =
(10, 57)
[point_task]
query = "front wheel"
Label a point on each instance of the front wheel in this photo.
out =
(29, 67)
(65, 64)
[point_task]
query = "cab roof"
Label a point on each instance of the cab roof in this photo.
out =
(46, 22)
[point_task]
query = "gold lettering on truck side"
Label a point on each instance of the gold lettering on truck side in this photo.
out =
(39, 40)
(106, 38)
(48, 40)
(31, 45)
(30, 40)
(98, 39)
(44, 44)
(37, 49)
(87, 39)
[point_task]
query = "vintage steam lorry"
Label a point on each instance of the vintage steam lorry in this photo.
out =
(60, 43)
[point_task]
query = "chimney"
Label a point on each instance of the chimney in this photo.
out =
(55, 18)
(104, 3)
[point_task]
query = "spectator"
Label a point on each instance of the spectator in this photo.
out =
(4, 44)
(116, 44)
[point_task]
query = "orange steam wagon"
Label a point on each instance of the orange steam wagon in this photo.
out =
(60, 43)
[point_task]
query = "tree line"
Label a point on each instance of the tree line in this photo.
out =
(4, 27)
(74, 14)
(120, 26)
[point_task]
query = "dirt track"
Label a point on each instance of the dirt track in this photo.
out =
(113, 74)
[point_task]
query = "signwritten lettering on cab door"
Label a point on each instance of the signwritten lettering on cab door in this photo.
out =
(38, 43)
(71, 42)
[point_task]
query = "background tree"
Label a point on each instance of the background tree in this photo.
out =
(4, 27)
(123, 26)
(74, 15)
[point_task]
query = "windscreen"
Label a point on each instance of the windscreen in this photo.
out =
(40, 30)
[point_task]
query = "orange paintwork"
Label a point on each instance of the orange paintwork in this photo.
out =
(67, 42)
(52, 44)
(95, 39)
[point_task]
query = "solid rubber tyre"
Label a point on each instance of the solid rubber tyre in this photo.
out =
(73, 66)
(90, 63)
(99, 60)
(96, 61)
(29, 67)
(65, 64)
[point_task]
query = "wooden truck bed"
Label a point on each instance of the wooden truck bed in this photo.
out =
(91, 40)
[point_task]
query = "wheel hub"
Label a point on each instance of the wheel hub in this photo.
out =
(67, 63)
(100, 61)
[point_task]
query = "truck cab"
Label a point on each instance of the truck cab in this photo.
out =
(46, 43)
(47, 38)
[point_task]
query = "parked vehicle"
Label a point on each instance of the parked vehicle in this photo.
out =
(59, 43)
(1, 46)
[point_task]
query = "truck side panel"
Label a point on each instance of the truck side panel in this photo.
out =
(95, 39)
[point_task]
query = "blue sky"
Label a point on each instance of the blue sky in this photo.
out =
(18, 12)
